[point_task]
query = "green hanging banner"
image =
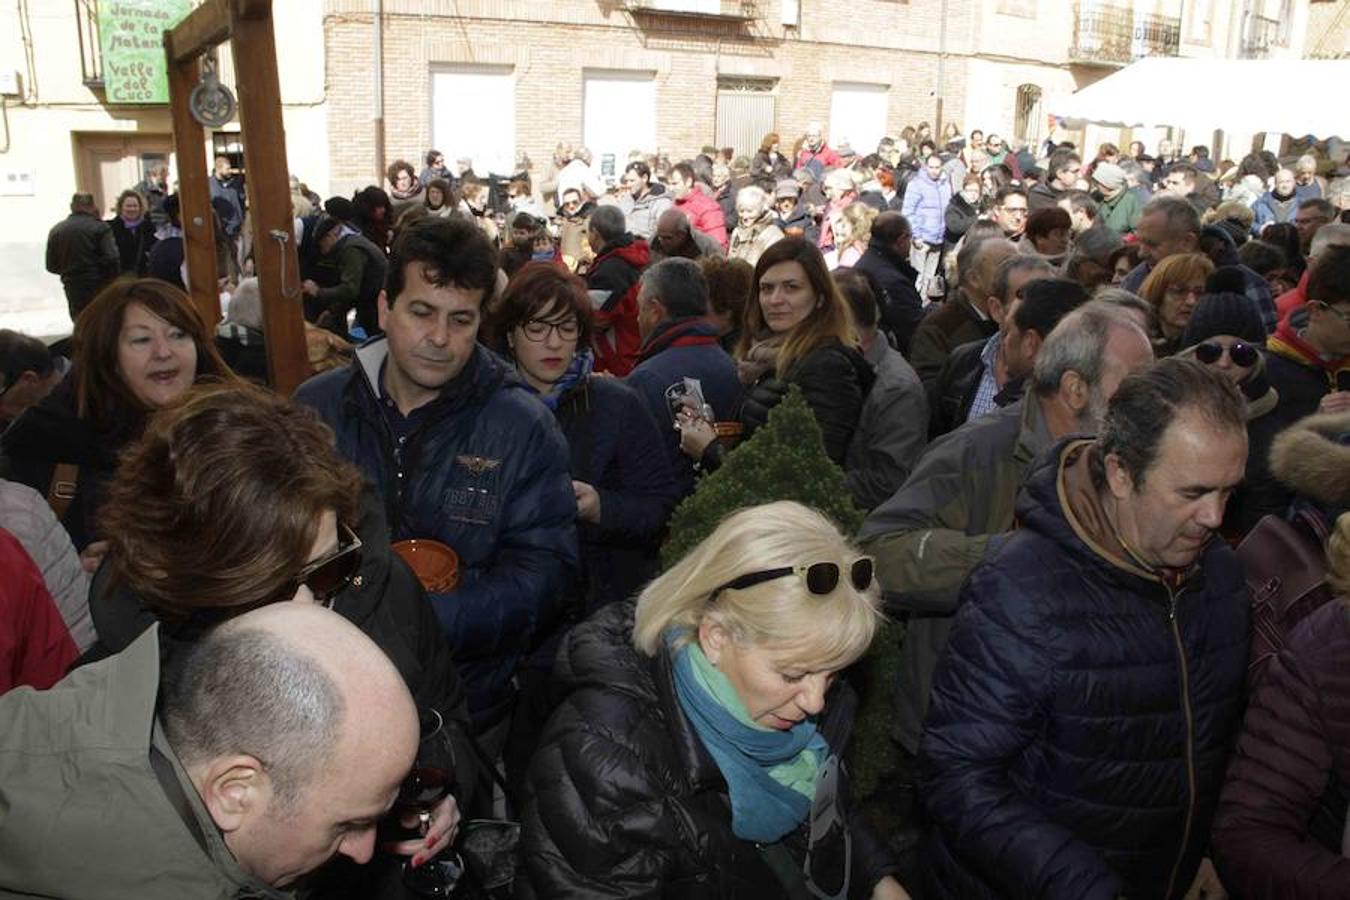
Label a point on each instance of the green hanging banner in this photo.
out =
(131, 39)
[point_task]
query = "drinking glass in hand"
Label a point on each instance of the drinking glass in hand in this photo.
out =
(425, 786)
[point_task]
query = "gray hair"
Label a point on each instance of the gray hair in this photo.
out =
(1119, 297)
(1180, 215)
(1336, 234)
(246, 305)
(243, 690)
(679, 285)
(1078, 344)
(609, 222)
(753, 193)
(1014, 264)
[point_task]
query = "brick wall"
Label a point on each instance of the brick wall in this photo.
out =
(550, 45)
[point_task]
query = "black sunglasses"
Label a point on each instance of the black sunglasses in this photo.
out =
(328, 575)
(1240, 352)
(821, 578)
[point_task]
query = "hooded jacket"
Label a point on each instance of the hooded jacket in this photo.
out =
(77, 777)
(1083, 714)
(1312, 458)
(705, 215)
(485, 471)
(613, 281)
(643, 212)
(624, 800)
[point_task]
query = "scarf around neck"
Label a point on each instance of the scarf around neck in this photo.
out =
(770, 774)
(577, 371)
(760, 358)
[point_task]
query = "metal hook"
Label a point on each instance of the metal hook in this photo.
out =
(283, 238)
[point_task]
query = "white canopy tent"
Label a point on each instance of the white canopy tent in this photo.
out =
(1297, 97)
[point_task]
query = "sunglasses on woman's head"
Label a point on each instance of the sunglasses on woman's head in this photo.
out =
(1240, 352)
(821, 578)
(327, 576)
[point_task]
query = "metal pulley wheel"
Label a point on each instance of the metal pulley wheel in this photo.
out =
(212, 104)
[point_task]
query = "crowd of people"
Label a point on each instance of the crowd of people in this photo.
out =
(1096, 411)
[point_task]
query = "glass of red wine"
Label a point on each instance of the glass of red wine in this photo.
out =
(426, 785)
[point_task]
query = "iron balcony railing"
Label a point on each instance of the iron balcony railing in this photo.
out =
(1259, 35)
(91, 53)
(740, 10)
(1115, 35)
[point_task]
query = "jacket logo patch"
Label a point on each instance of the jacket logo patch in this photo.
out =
(477, 465)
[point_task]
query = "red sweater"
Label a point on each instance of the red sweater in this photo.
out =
(705, 214)
(35, 647)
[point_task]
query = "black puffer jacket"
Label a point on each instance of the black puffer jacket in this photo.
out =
(623, 800)
(1084, 711)
(834, 379)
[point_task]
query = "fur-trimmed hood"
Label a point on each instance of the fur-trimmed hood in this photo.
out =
(1312, 457)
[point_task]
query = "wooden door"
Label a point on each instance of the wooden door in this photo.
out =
(107, 164)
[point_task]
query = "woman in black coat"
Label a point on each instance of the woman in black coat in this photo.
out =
(797, 331)
(697, 750)
(624, 486)
(133, 232)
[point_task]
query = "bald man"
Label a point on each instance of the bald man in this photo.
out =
(250, 759)
(676, 236)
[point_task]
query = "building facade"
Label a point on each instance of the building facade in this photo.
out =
(365, 82)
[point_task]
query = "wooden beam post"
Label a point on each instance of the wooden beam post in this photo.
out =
(194, 194)
(269, 196)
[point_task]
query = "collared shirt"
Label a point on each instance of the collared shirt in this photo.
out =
(988, 387)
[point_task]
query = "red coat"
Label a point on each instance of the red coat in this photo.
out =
(705, 214)
(35, 647)
(1292, 299)
(1296, 736)
(614, 282)
(828, 158)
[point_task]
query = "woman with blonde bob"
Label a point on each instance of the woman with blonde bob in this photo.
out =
(1172, 289)
(696, 752)
(796, 330)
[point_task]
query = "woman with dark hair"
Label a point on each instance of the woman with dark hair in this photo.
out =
(234, 498)
(993, 179)
(439, 199)
(797, 330)
(1122, 262)
(133, 231)
(405, 189)
(138, 346)
(1285, 236)
(374, 215)
(1047, 234)
(621, 475)
(769, 165)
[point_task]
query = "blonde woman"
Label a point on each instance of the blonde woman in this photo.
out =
(696, 752)
(1173, 289)
(853, 233)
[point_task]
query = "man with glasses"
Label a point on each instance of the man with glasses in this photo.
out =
(1000, 154)
(1010, 211)
(1309, 354)
(462, 454)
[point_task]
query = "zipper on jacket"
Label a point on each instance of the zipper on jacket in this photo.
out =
(1190, 740)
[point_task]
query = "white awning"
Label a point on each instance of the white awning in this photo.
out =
(1297, 97)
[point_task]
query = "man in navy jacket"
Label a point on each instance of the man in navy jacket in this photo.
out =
(463, 454)
(1081, 718)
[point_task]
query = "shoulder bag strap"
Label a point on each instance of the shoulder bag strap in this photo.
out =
(61, 491)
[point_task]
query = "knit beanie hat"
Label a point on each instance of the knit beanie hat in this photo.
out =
(1109, 176)
(1225, 313)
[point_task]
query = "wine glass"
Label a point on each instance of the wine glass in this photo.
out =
(427, 784)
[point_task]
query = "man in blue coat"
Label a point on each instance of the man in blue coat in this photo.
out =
(463, 454)
(1081, 718)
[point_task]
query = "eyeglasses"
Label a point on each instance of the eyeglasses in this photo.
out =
(821, 578)
(327, 576)
(537, 330)
(1343, 315)
(1241, 353)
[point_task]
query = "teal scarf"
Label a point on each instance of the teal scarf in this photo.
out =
(577, 371)
(770, 774)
